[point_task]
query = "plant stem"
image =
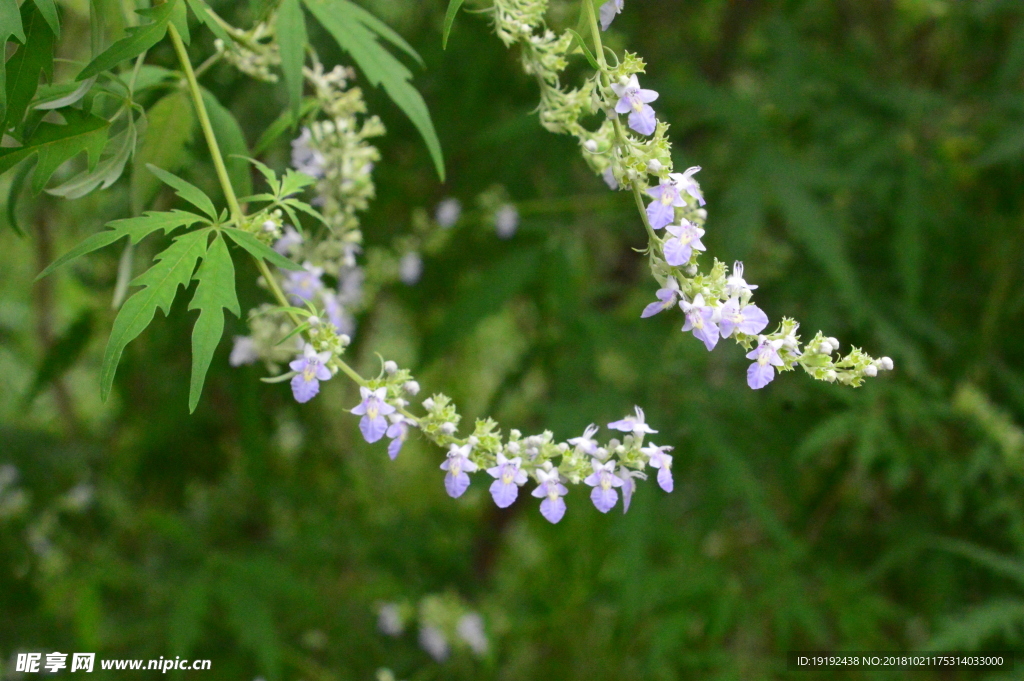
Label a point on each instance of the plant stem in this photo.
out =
(204, 121)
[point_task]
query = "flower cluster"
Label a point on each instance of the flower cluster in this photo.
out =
(252, 52)
(716, 303)
(443, 621)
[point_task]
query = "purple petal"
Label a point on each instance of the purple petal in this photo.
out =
(754, 320)
(604, 499)
(622, 106)
(359, 409)
(659, 214)
(709, 334)
(628, 487)
(323, 373)
(304, 390)
(647, 96)
(652, 309)
(677, 253)
(665, 479)
(504, 494)
(553, 509)
(456, 485)
(643, 121)
(298, 364)
(395, 447)
(759, 375)
(373, 429)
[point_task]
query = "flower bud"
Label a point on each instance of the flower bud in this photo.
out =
(473, 440)
(515, 433)
(269, 226)
(654, 166)
(886, 363)
(825, 348)
(390, 367)
(702, 214)
(411, 387)
(590, 145)
(830, 376)
(512, 447)
(834, 342)
(428, 404)
(871, 371)
(448, 428)
(345, 339)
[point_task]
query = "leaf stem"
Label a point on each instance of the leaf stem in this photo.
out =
(204, 121)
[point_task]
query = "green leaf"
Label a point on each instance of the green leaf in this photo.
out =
(179, 17)
(171, 268)
(215, 293)
(10, 25)
(61, 355)
(292, 39)
(578, 40)
(294, 182)
(23, 69)
(232, 142)
(380, 28)
(17, 185)
(138, 40)
(449, 20)
(171, 123)
(107, 171)
(281, 125)
(186, 190)
(203, 14)
(59, 96)
(56, 144)
(49, 12)
(136, 229)
(379, 66)
(260, 250)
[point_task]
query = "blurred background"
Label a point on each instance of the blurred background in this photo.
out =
(864, 158)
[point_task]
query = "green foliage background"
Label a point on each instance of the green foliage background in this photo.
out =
(866, 161)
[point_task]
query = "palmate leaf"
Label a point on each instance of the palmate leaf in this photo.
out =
(136, 229)
(350, 30)
(292, 38)
(171, 268)
(35, 56)
(171, 122)
(186, 190)
(56, 144)
(215, 293)
(10, 26)
(138, 40)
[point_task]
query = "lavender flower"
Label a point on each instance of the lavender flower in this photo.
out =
(636, 101)
(289, 242)
(390, 620)
(398, 431)
(305, 158)
(244, 351)
(604, 481)
(305, 284)
(748, 319)
(506, 221)
(508, 476)
(410, 268)
(586, 443)
(699, 320)
(660, 212)
(447, 212)
(609, 178)
(667, 297)
(686, 238)
(373, 409)
(632, 424)
(338, 316)
(735, 285)
(312, 370)
(553, 506)
(628, 486)
(766, 356)
(434, 642)
(657, 458)
(471, 630)
(608, 12)
(458, 465)
(685, 182)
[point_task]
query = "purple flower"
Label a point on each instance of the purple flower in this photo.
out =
(373, 409)
(699, 320)
(587, 444)
(735, 285)
(686, 238)
(660, 212)
(748, 319)
(305, 157)
(508, 477)
(609, 178)
(506, 221)
(685, 182)
(244, 351)
(447, 212)
(398, 431)
(410, 268)
(636, 101)
(766, 356)
(312, 370)
(604, 481)
(458, 465)
(553, 506)
(657, 458)
(338, 316)
(608, 12)
(289, 242)
(303, 285)
(628, 485)
(632, 424)
(667, 297)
